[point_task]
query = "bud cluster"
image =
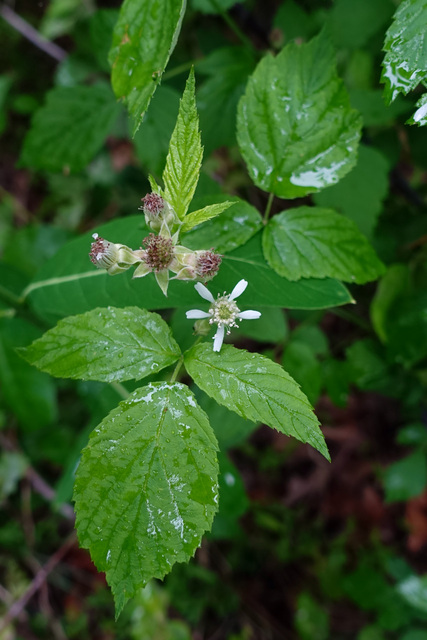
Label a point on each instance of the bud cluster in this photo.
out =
(160, 253)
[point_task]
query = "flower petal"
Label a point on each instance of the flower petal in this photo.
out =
(196, 313)
(204, 292)
(219, 338)
(249, 315)
(238, 289)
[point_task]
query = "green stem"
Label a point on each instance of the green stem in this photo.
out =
(233, 26)
(185, 66)
(350, 317)
(120, 389)
(9, 296)
(268, 207)
(177, 369)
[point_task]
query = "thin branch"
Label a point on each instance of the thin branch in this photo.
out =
(31, 34)
(20, 604)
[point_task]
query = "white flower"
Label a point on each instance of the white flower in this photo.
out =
(223, 311)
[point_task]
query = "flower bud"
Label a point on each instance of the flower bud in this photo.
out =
(159, 252)
(158, 212)
(114, 258)
(207, 264)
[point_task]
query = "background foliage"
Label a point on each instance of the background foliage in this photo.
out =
(299, 548)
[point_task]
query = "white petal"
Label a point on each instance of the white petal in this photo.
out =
(249, 315)
(219, 338)
(204, 292)
(196, 313)
(238, 289)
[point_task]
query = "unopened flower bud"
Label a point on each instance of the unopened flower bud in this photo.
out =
(158, 212)
(159, 252)
(207, 264)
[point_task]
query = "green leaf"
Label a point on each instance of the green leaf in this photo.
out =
(212, 6)
(354, 23)
(144, 38)
(235, 227)
(295, 127)
(420, 115)
(405, 62)
(105, 345)
(311, 619)
(270, 327)
(257, 389)
(37, 408)
(313, 242)
(412, 434)
(152, 139)
(374, 112)
(394, 283)
(68, 284)
(360, 195)
(227, 70)
(146, 487)
(101, 27)
(205, 214)
(185, 155)
(414, 591)
(406, 478)
(233, 501)
(293, 21)
(68, 131)
(302, 364)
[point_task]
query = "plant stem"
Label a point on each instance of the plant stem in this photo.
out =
(233, 26)
(268, 207)
(9, 296)
(32, 34)
(351, 317)
(185, 66)
(177, 369)
(120, 389)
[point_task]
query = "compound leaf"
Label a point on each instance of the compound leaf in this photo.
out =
(146, 487)
(257, 389)
(105, 345)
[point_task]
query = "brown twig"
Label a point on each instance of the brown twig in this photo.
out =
(31, 34)
(19, 605)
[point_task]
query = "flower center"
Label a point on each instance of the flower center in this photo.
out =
(153, 203)
(224, 312)
(159, 252)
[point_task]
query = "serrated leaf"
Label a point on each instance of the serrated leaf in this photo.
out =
(295, 127)
(312, 242)
(203, 215)
(360, 194)
(405, 62)
(144, 38)
(227, 70)
(105, 345)
(70, 128)
(69, 284)
(146, 487)
(257, 389)
(420, 115)
(185, 155)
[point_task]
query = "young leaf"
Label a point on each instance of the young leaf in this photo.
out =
(205, 214)
(146, 487)
(185, 155)
(105, 345)
(312, 242)
(144, 38)
(255, 388)
(295, 127)
(70, 128)
(405, 62)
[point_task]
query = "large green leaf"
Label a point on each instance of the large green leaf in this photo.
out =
(68, 284)
(227, 70)
(144, 38)
(105, 344)
(146, 487)
(185, 155)
(312, 242)
(405, 62)
(257, 389)
(29, 393)
(70, 128)
(296, 129)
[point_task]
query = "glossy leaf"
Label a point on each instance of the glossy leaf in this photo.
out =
(146, 487)
(420, 115)
(360, 194)
(185, 155)
(105, 345)
(296, 129)
(257, 389)
(313, 242)
(205, 214)
(144, 38)
(405, 62)
(69, 284)
(70, 128)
